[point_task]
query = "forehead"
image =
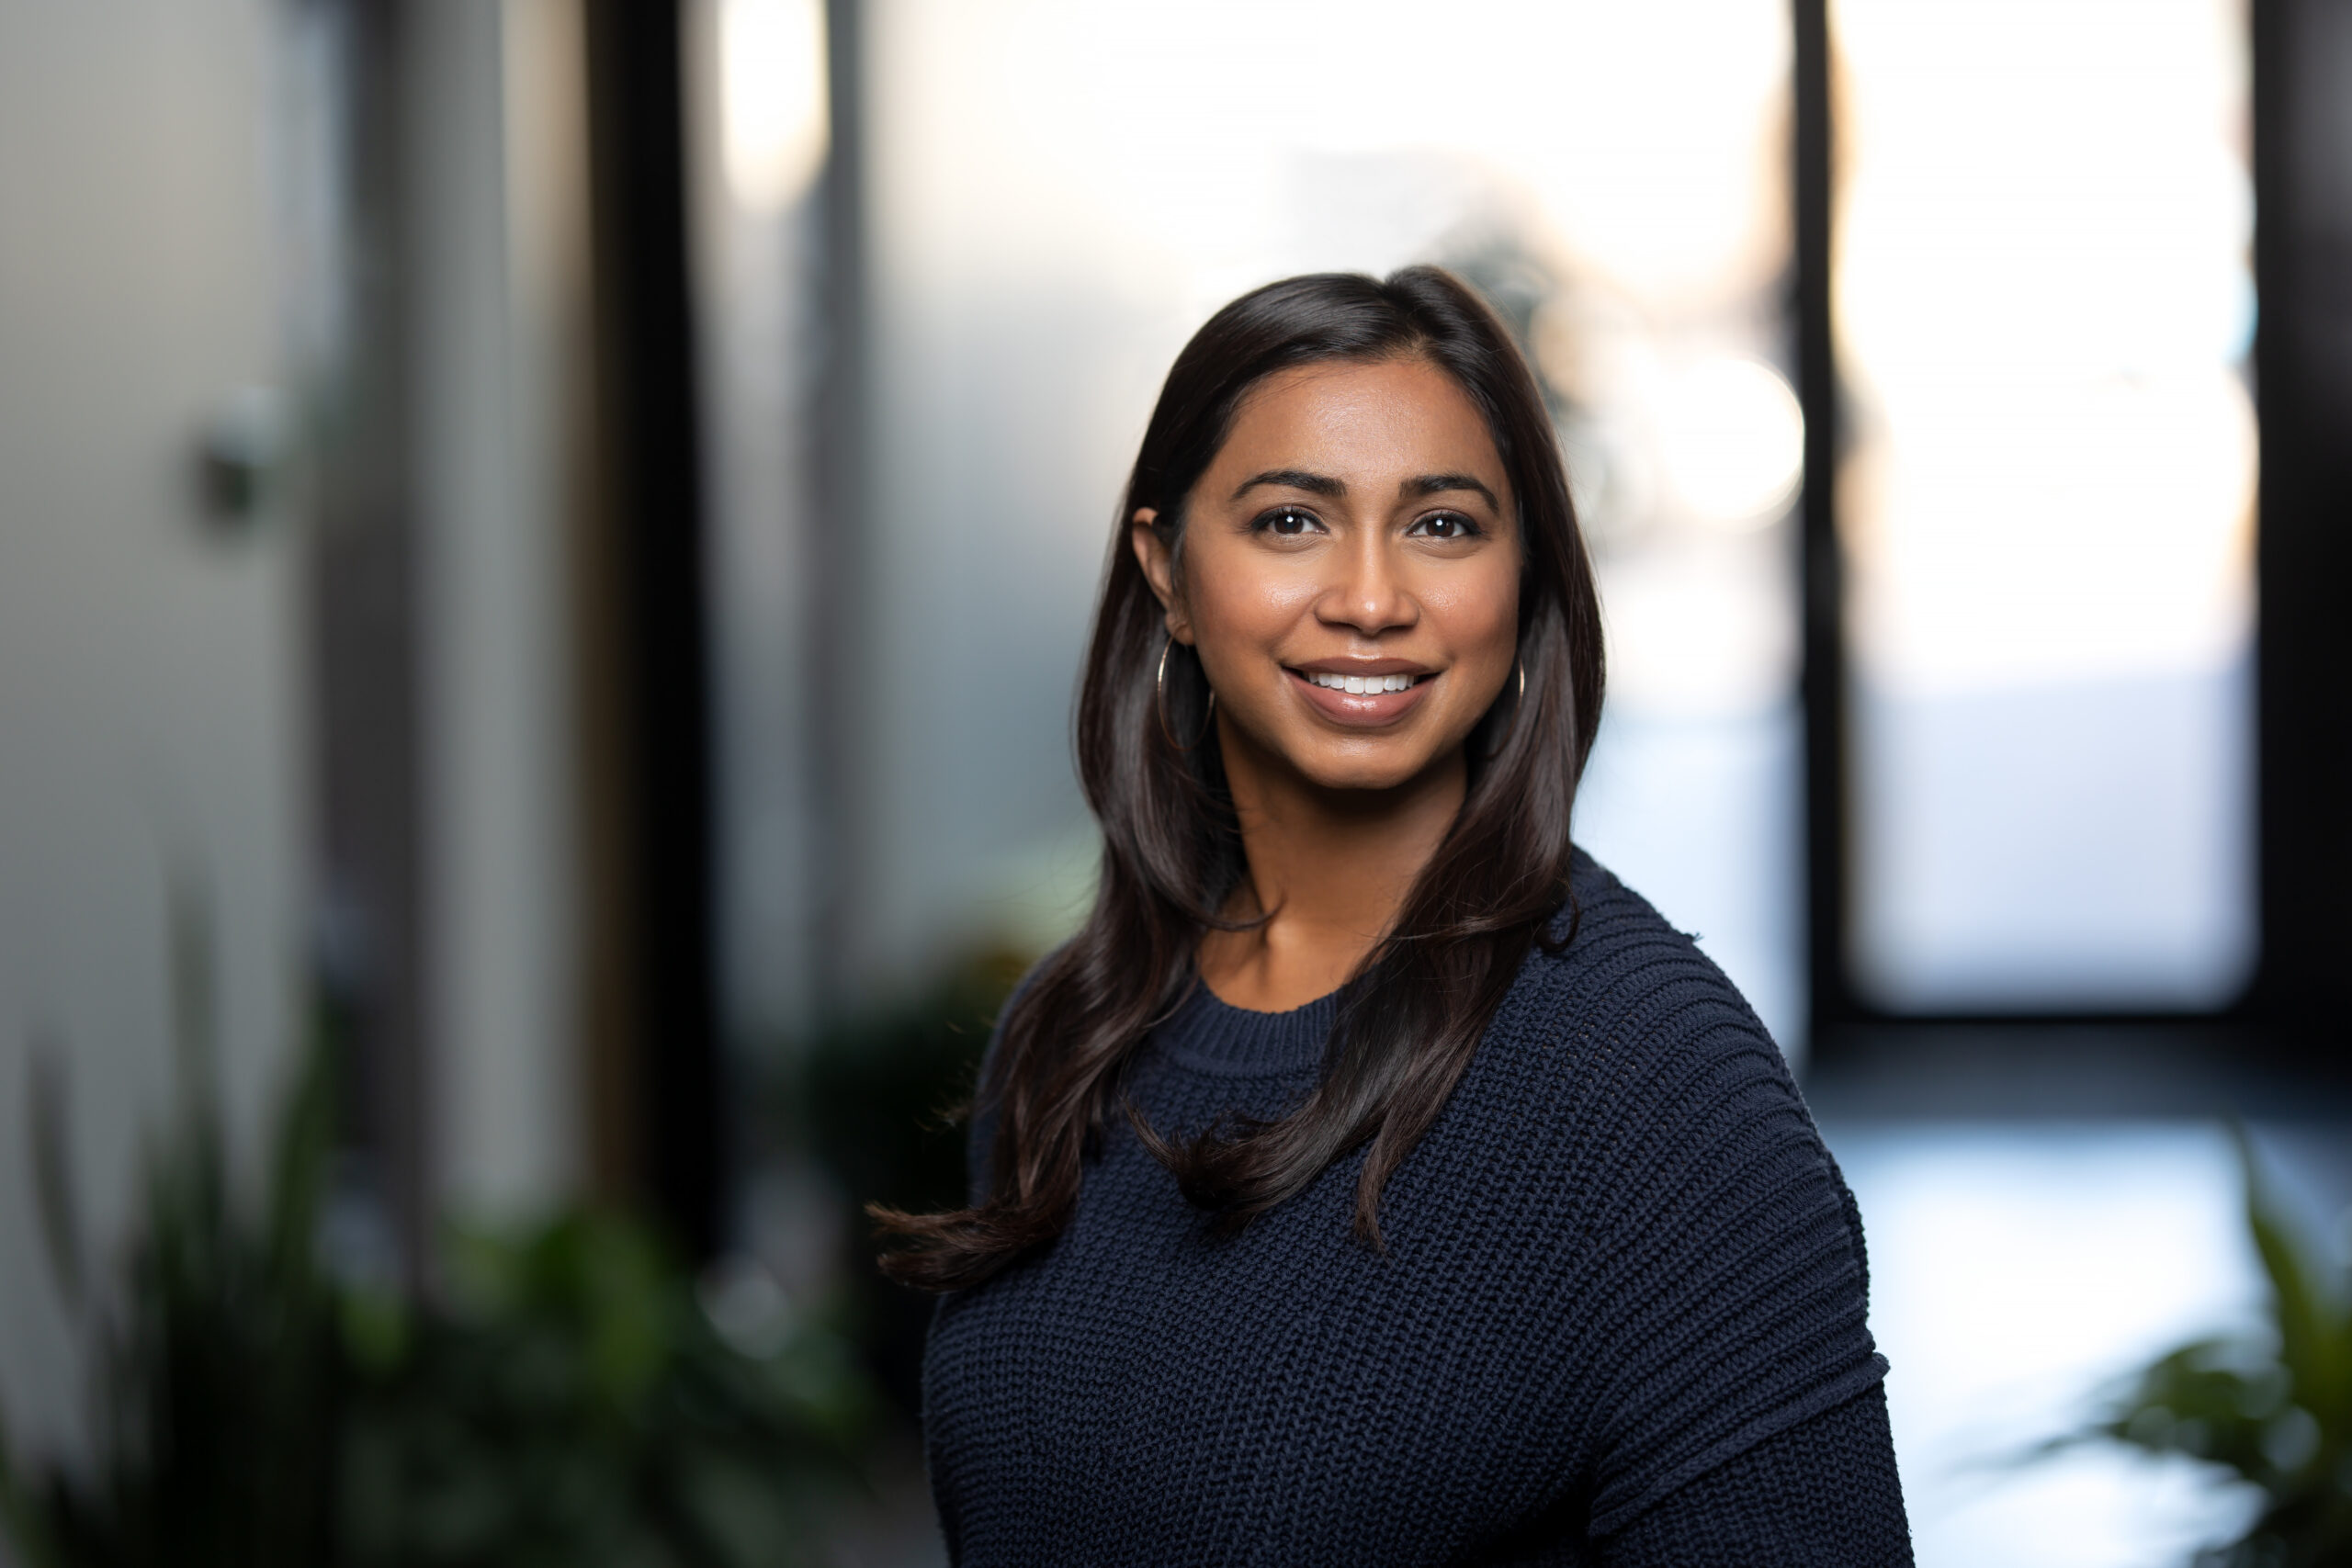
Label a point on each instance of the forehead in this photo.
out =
(1390, 415)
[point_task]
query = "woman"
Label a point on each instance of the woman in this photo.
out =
(1373, 1179)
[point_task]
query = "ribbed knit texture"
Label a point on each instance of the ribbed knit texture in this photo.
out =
(1823, 1491)
(1620, 1319)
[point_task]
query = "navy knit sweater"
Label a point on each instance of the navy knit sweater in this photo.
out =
(1620, 1319)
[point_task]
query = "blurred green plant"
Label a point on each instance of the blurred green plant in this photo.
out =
(876, 1101)
(2272, 1408)
(563, 1398)
(218, 1376)
(572, 1402)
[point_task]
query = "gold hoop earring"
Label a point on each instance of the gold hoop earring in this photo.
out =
(1517, 703)
(1160, 705)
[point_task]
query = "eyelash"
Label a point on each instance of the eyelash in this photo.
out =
(1469, 528)
(1266, 521)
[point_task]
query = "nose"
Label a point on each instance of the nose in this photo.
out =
(1367, 593)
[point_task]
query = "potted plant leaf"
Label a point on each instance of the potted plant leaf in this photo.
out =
(564, 1396)
(2270, 1408)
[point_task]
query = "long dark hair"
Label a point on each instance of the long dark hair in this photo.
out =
(1407, 1021)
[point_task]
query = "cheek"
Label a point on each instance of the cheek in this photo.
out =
(1236, 609)
(1480, 614)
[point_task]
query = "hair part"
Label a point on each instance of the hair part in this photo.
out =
(1407, 1021)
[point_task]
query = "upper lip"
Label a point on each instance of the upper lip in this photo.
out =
(1361, 667)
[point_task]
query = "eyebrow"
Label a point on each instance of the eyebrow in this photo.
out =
(1438, 484)
(1324, 484)
(1292, 478)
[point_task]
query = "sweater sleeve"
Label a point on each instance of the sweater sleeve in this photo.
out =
(1732, 1296)
(1822, 1493)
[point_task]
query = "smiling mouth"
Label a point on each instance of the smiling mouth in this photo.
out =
(1358, 685)
(1359, 701)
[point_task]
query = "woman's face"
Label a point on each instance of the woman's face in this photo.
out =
(1351, 575)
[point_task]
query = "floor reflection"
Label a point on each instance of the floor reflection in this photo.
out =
(2020, 1265)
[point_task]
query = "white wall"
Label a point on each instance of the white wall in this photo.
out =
(151, 661)
(149, 687)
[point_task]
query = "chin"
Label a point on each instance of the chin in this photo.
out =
(1365, 772)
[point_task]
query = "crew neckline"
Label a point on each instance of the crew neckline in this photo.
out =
(1209, 1034)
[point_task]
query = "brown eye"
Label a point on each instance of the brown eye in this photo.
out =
(1289, 522)
(1445, 525)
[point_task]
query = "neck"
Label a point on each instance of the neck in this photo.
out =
(1330, 867)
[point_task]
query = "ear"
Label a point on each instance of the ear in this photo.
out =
(1159, 565)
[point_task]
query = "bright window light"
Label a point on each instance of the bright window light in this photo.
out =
(2043, 305)
(773, 100)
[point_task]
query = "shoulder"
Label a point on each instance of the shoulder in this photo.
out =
(1724, 1263)
(1613, 977)
(1622, 1024)
(1627, 1057)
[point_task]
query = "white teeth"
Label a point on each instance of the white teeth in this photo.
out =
(1359, 684)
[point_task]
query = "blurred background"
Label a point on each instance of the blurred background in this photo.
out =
(544, 551)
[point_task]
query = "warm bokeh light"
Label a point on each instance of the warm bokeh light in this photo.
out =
(1733, 438)
(772, 98)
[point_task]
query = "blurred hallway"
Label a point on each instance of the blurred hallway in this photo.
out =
(545, 547)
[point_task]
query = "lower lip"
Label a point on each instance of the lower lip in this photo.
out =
(1366, 711)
